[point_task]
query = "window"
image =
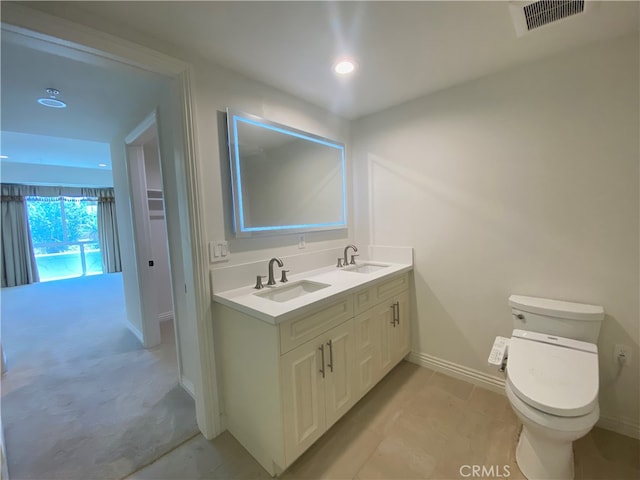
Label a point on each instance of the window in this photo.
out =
(64, 232)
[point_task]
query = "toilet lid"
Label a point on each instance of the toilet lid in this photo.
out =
(556, 375)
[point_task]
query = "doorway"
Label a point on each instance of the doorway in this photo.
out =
(90, 402)
(144, 168)
(185, 213)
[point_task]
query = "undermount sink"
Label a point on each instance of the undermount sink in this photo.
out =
(365, 268)
(291, 291)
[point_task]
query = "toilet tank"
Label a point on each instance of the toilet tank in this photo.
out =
(578, 321)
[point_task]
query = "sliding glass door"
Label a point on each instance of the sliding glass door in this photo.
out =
(64, 231)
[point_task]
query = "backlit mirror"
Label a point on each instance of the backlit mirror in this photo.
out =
(284, 180)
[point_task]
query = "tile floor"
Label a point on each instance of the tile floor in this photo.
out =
(415, 424)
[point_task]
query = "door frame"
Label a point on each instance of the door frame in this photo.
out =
(96, 46)
(134, 143)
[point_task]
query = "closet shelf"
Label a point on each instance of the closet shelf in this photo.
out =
(156, 203)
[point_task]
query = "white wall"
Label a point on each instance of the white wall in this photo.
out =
(176, 216)
(217, 89)
(521, 182)
(123, 192)
(177, 221)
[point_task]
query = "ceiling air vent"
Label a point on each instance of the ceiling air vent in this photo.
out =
(528, 16)
(547, 11)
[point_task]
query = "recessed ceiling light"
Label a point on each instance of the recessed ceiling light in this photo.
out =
(52, 101)
(102, 164)
(344, 66)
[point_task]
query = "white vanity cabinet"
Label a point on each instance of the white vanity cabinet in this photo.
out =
(285, 384)
(382, 330)
(318, 386)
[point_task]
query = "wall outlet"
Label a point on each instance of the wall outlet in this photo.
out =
(301, 242)
(621, 354)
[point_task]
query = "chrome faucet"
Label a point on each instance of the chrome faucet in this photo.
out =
(272, 280)
(346, 258)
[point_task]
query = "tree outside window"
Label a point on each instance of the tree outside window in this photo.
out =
(64, 232)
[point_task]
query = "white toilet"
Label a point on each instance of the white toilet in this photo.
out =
(552, 381)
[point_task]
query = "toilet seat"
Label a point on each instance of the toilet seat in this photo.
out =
(553, 422)
(554, 375)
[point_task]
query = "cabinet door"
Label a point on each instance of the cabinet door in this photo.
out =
(367, 334)
(340, 379)
(401, 343)
(303, 397)
(384, 321)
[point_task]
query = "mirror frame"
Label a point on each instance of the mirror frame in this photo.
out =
(240, 229)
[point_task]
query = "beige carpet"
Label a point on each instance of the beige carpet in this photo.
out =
(81, 398)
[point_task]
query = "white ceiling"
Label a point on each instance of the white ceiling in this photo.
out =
(99, 98)
(404, 49)
(102, 100)
(46, 150)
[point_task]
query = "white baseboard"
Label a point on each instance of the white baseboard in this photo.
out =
(623, 426)
(134, 330)
(495, 384)
(188, 386)
(163, 317)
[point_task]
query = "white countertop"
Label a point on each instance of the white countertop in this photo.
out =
(341, 282)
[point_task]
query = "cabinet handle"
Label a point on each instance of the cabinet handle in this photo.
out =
(393, 314)
(321, 348)
(330, 365)
(396, 313)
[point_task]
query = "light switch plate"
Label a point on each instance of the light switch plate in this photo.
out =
(218, 251)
